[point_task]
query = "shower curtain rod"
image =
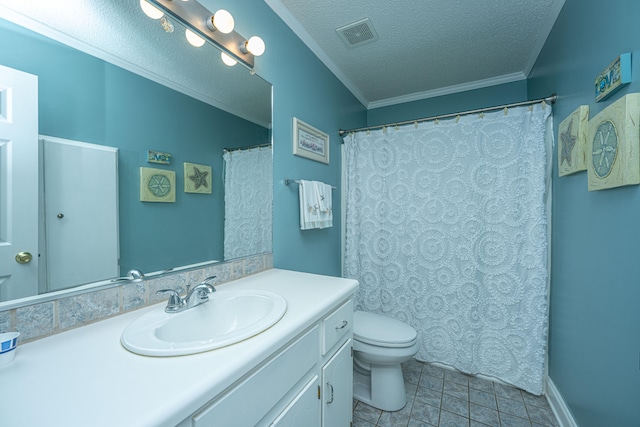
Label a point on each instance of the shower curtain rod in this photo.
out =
(268, 144)
(550, 99)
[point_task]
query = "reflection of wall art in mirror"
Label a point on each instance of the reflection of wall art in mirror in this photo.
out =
(310, 142)
(572, 140)
(197, 178)
(613, 144)
(158, 157)
(116, 99)
(157, 185)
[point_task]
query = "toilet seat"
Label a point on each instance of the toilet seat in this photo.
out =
(382, 331)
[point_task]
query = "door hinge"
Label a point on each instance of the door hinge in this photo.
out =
(318, 392)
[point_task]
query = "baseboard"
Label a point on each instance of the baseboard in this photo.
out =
(558, 406)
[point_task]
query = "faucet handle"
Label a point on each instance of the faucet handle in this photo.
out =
(209, 280)
(206, 286)
(174, 297)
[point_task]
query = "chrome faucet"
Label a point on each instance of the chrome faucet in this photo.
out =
(195, 296)
(133, 276)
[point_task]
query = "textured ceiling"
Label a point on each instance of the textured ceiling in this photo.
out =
(425, 48)
(118, 31)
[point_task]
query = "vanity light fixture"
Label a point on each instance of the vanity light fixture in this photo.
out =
(202, 26)
(227, 59)
(193, 39)
(221, 21)
(255, 45)
(150, 10)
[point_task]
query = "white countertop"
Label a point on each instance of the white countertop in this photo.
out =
(84, 377)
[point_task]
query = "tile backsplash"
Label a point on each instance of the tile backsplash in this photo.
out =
(47, 318)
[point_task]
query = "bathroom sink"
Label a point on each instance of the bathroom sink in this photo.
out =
(230, 316)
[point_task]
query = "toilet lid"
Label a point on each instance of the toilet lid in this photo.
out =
(374, 329)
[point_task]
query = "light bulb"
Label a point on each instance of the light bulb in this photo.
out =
(150, 10)
(221, 21)
(227, 59)
(255, 45)
(193, 39)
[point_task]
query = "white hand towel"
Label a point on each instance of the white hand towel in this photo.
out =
(315, 205)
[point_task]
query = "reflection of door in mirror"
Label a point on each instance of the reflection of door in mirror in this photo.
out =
(80, 216)
(18, 183)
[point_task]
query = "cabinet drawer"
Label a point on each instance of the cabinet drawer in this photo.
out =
(337, 325)
(247, 403)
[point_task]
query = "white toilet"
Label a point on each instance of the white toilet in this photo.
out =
(381, 344)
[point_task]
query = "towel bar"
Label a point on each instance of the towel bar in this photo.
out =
(288, 181)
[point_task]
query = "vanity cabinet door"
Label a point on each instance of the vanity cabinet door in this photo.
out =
(337, 383)
(304, 410)
(254, 397)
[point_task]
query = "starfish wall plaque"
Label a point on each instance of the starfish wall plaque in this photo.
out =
(572, 140)
(197, 178)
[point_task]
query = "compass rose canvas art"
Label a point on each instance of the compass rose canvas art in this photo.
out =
(613, 143)
(572, 140)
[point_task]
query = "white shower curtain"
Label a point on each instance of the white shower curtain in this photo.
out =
(248, 202)
(447, 229)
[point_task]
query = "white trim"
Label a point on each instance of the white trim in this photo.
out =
(478, 84)
(280, 9)
(558, 406)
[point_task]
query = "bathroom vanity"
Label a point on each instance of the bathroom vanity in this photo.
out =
(297, 372)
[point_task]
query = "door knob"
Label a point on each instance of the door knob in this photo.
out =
(24, 257)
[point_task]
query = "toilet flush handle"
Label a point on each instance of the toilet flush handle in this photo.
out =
(344, 325)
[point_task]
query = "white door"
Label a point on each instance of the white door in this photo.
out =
(18, 184)
(337, 378)
(81, 212)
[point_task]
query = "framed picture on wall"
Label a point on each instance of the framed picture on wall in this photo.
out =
(157, 185)
(573, 133)
(197, 178)
(310, 142)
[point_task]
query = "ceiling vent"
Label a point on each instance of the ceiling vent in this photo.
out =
(358, 33)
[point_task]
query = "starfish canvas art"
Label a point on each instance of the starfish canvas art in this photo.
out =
(572, 140)
(197, 178)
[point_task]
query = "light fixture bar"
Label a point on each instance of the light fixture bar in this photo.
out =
(194, 16)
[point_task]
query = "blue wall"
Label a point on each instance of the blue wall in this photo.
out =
(595, 291)
(463, 101)
(83, 98)
(304, 88)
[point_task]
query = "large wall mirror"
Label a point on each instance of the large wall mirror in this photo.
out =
(116, 84)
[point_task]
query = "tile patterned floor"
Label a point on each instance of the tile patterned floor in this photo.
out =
(439, 397)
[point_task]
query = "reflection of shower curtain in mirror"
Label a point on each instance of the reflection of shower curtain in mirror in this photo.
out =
(447, 230)
(248, 195)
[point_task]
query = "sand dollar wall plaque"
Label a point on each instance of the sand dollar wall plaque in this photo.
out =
(613, 143)
(157, 185)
